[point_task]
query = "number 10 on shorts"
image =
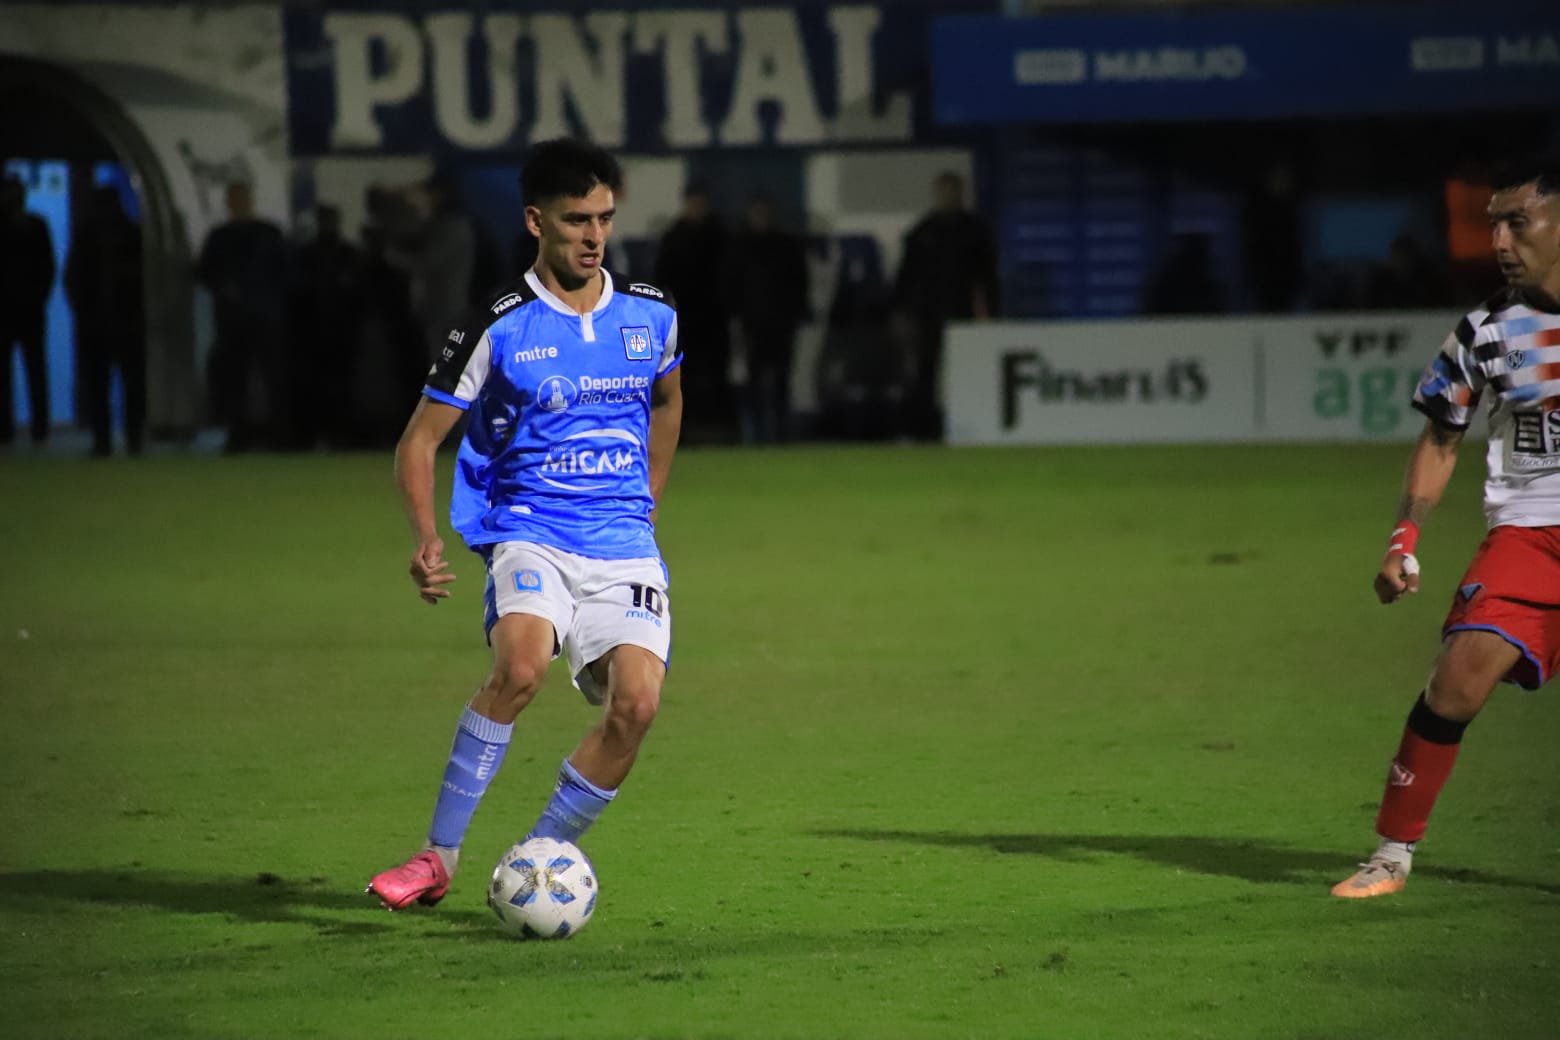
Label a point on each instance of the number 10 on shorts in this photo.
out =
(649, 603)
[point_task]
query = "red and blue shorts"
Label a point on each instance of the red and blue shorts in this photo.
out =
(1512, 588)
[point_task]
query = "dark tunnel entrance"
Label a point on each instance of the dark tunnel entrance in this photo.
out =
(65, 138)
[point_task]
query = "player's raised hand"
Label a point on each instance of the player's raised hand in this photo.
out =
(1399, 574)
(430, 571)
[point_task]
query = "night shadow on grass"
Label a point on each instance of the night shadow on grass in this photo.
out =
(473, 926)
(1224, 857)
(262, 897)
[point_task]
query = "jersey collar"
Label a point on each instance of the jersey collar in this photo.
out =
(545, 295)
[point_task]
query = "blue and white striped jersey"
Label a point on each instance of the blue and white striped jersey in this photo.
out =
(557, 447)
(1512, 351)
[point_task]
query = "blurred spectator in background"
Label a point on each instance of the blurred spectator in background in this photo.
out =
(244, 264)
(393, 358)
(767, 291)
(1184, 282)
(327, 316)
(948, 273)
(862, 376)
(103, 283)
(689, 264)
(1409, 279)
(1272, 247)
(26, 279)
(487, 267)
(439, 254)
(525, 252)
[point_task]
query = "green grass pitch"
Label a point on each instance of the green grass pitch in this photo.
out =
(1060, 744)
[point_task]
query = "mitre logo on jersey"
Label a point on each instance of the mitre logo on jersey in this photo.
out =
(636, 343)
(557, 393)
(590, 460)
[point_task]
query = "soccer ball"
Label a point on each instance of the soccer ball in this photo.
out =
(543, 889)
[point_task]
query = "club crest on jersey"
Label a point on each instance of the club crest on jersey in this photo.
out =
(528, 581)
(557, 393)
(636, 343)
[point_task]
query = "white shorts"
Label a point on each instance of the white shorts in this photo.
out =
(594, 605)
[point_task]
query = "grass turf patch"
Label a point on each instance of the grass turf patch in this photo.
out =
(1028, 743)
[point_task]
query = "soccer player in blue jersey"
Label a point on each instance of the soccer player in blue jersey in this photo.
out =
(571, 383)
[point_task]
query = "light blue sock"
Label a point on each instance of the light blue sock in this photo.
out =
(574, 806)
(478, 751)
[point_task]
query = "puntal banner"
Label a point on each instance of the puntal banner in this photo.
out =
(641, 77)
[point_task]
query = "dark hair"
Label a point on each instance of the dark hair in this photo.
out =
(1543, 172)
(567, 167)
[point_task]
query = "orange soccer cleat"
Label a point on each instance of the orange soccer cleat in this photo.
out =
(1378, 877)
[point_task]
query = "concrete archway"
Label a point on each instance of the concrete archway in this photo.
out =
(51, 111)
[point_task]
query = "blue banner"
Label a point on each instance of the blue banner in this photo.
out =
(1250, 64)
(644, 78)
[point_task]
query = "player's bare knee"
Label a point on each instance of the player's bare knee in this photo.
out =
(1466, 673)
(1458, 697)
(1456, 690)
(632, 707)
(513, 683)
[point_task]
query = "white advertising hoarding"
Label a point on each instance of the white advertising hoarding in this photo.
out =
(1346, 376)
(1317, 377)
(1096, 382)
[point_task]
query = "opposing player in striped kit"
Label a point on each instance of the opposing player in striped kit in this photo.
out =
(1504, 624)
(571, 382)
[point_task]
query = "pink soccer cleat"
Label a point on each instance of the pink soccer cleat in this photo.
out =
(422, 879)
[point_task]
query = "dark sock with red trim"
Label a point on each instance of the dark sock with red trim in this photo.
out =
(1424, 761)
